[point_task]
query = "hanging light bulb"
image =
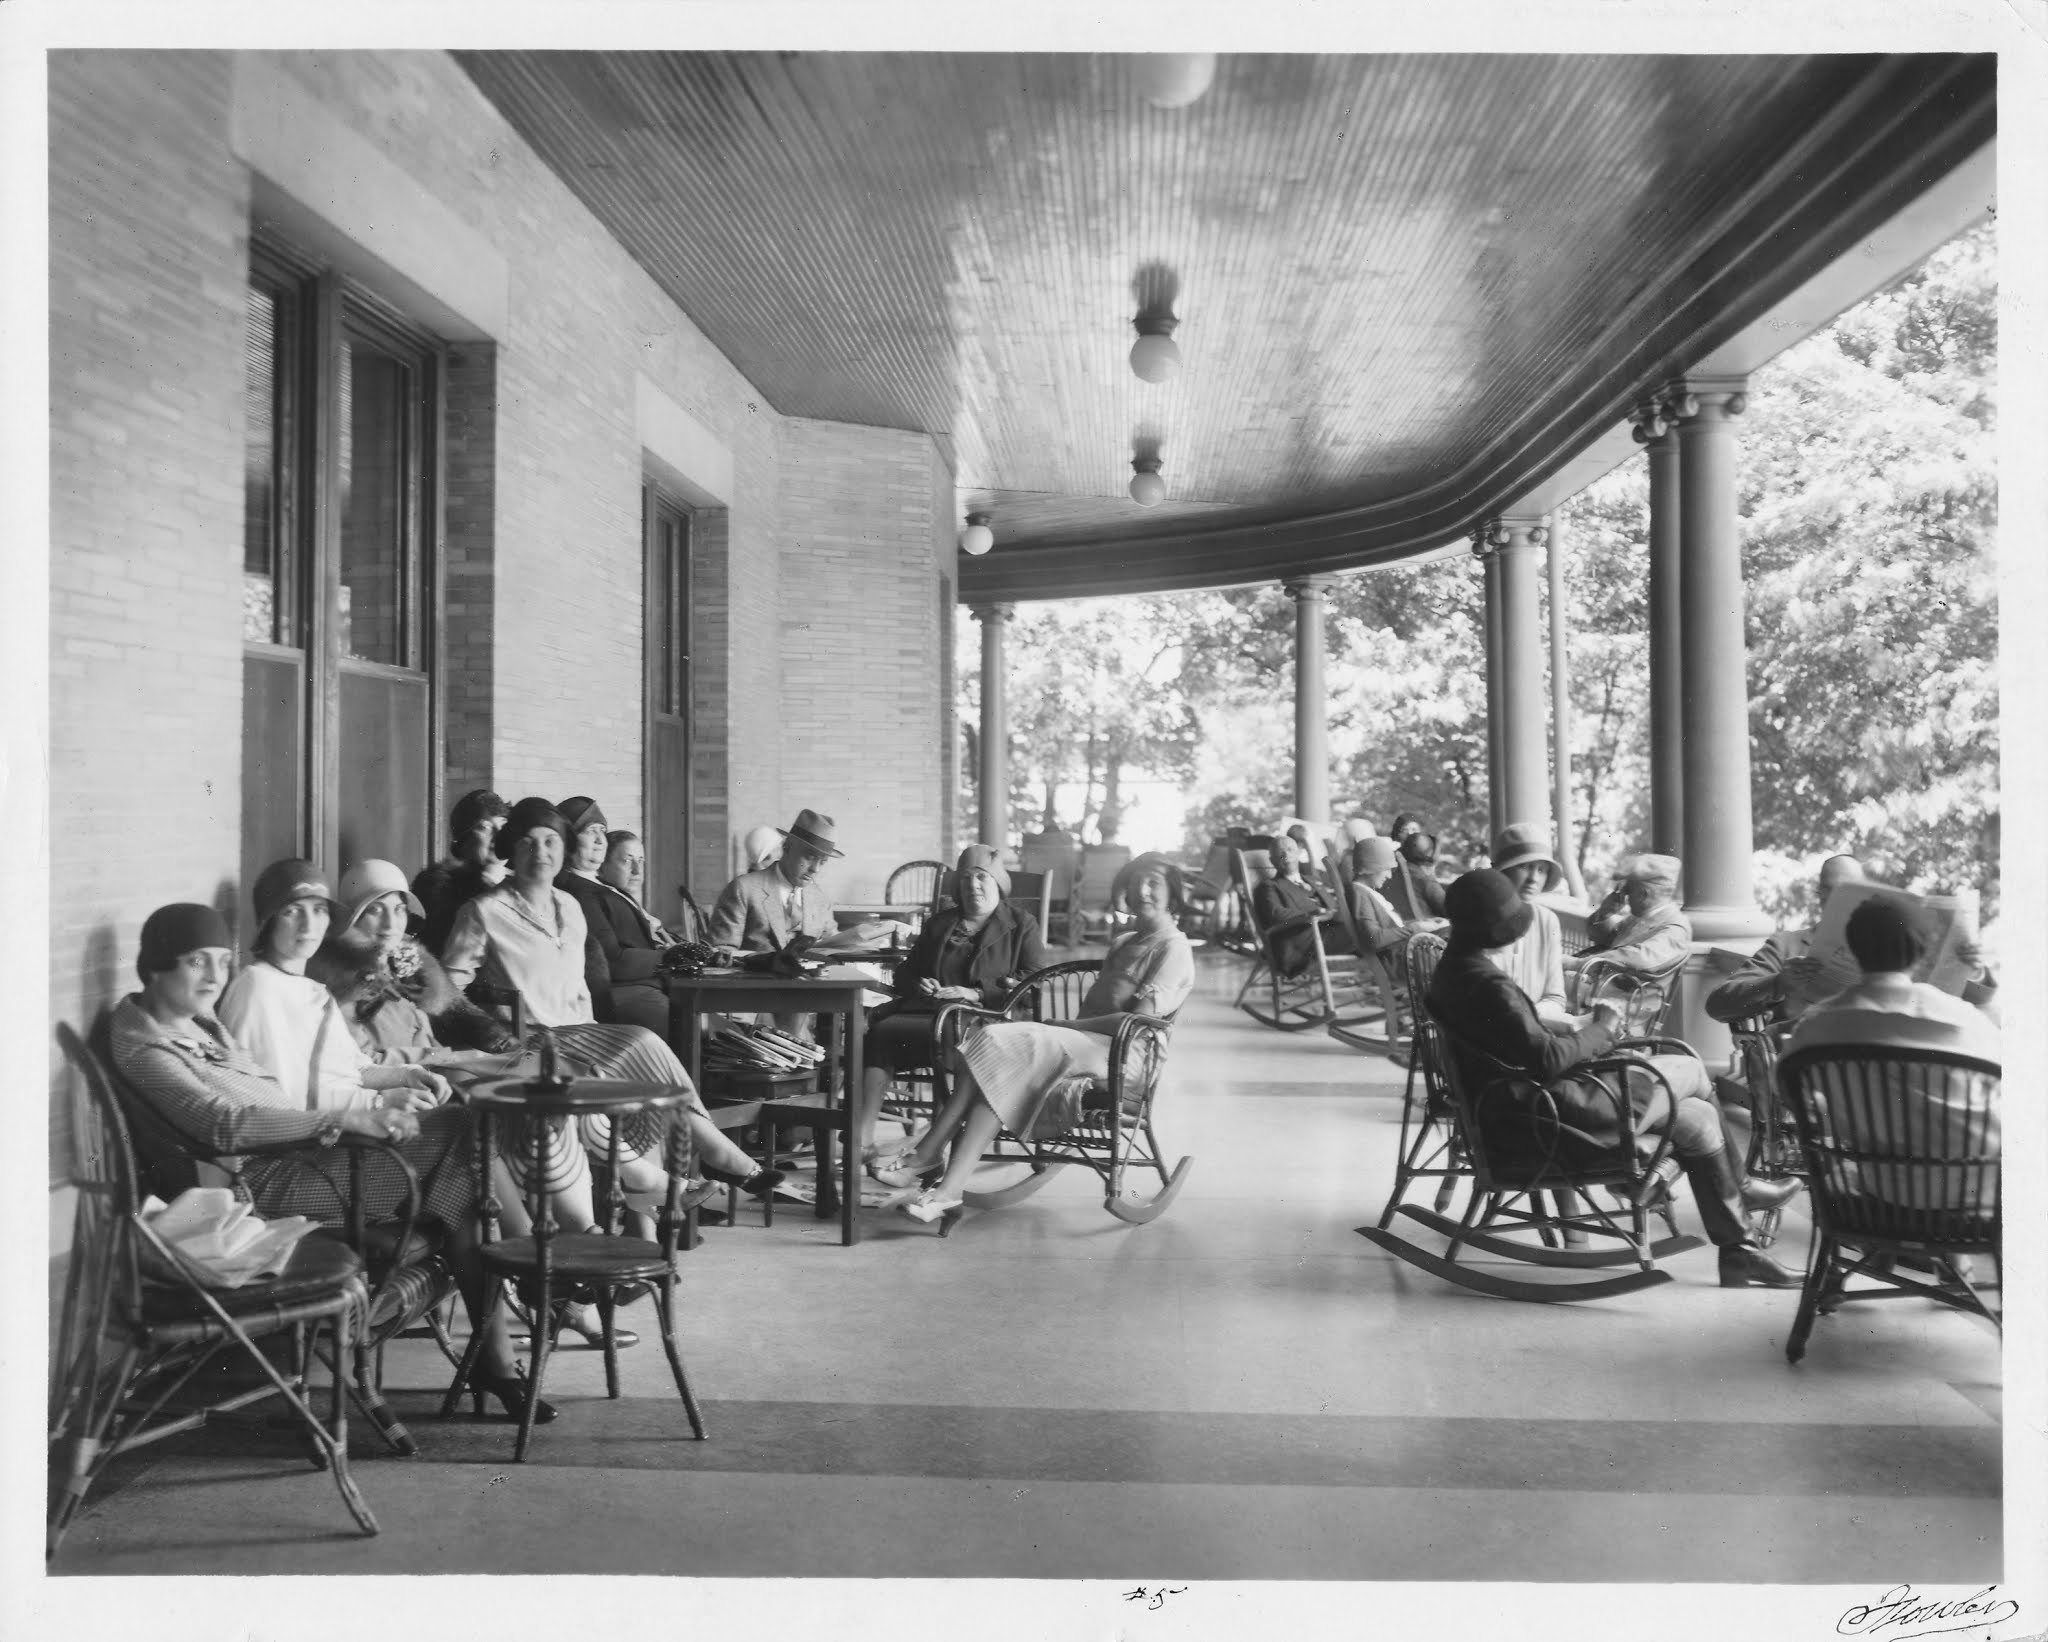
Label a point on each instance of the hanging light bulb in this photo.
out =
(1147, 488)
(1155, 356)
(1173, 79)
(977, 538)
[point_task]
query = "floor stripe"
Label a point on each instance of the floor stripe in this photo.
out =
(1331, 1451)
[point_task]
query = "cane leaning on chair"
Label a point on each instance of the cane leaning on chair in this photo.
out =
(176, 1057)
(1010, 1071)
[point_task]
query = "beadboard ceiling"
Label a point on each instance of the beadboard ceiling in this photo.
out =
(1408, 287)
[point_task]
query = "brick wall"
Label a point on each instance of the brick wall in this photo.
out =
(148, 266)
(469, 574)
(150, 219)
(861, 534)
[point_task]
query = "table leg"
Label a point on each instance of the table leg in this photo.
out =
(849, 1105)
(828, 1198)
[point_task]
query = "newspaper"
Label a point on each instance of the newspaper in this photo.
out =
(1951, 920)
(225, 1244)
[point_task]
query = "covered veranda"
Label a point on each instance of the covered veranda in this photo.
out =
(1243, 1390)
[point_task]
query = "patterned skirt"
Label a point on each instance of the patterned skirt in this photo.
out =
(541, 1152)
(443, 1155)
(1018, 1065)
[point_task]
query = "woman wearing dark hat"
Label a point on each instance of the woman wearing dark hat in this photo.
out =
(1488, 1022)
(470, 869)
(402, 1008)
(1414, 891)
(291, 1024)
(529, 935)
(623, 966)
(176, 1058)
(1017, 1075)
(973, 952)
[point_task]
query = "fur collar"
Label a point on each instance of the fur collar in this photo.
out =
(352, 967)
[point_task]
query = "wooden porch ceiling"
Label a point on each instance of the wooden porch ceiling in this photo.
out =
(1408, 288)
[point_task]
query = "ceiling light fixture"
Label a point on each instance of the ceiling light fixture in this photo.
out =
(977, 538)
(1173, 79)
(1155, 356)
(1147, 488)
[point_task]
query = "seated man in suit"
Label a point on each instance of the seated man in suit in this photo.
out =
(1289, 908)
(1779, 977)
(762, 911)
(1657, 933)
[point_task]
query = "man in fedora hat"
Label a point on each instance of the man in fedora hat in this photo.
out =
(764, 910)
(1535, 961)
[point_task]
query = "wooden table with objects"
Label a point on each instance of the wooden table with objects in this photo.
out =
(831, 995)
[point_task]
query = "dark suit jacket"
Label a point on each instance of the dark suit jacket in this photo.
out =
(1414, 891)
(597, 969)
(1006, 948)
(1280, 900)
(1487, 1019)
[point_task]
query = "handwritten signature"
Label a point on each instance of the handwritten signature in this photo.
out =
(1902, 1606)
(1154, 1598)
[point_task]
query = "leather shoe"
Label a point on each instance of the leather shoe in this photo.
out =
(1769, 1194)
(1742, 1265)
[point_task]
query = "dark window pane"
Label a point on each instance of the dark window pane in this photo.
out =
(261, 405)
(376, 536)
(676, 555)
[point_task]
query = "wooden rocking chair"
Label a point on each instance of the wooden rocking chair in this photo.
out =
(1383, 1024)
(1112, 1132)
(1773, 1152)
(1326, 991)
(1524, 1173)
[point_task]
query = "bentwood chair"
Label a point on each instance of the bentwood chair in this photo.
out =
(550, 1265)
(915, 884)
(1429, 1147)
(1644, 996)
(1106, 1122)
(1773, 1151)
(141, 1329)
(1902, 1162)
(408, 1278)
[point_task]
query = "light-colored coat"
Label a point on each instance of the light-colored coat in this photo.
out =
(753, 915)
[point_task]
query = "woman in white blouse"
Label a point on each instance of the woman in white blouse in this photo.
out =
(529, 935)
(290, 1023)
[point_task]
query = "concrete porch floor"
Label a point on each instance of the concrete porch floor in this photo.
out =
(1244, 1390)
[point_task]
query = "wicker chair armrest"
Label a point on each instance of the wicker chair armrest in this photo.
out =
(1020, 994)
(1655, 1046)
(1621, 1065)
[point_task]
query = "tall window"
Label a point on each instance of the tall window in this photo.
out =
(340, 614)
(665, 534)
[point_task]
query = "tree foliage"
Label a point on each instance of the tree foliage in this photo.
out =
(1869, 506)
